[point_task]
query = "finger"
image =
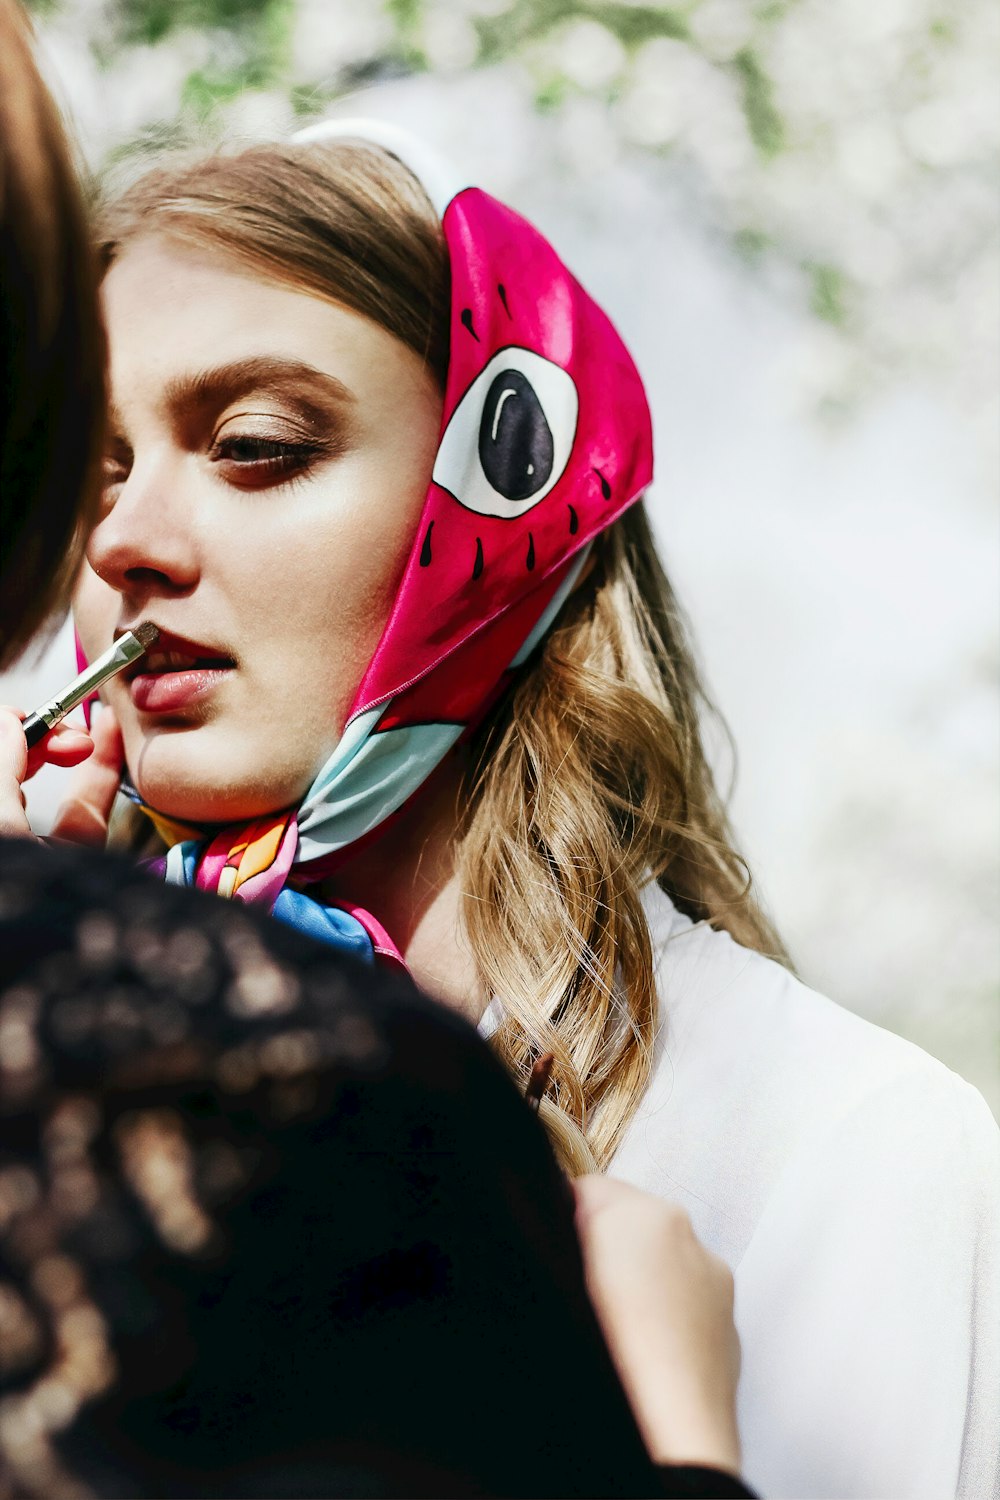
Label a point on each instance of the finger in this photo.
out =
(13, 764)
(13, 746)
(595, 1193)
(83, 817)
(66, 745)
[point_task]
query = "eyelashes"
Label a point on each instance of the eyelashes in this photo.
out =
(252, 462)
(243, 460)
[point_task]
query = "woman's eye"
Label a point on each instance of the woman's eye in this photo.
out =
(257, 461)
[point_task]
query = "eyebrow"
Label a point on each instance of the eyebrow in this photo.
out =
(313, 389)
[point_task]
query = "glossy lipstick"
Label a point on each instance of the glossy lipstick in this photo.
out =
(176, 675)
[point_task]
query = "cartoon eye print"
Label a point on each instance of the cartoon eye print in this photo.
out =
(509, 439)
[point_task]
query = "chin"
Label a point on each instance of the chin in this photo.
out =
(185, 784)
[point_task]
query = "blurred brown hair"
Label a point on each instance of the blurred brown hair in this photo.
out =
(51, 350)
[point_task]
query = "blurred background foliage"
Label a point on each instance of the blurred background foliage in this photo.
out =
(851, 143)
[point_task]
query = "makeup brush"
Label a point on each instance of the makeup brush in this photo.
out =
(127, 649)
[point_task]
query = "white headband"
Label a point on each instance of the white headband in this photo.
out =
(439, 178)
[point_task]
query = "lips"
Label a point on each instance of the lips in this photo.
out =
(176, 661)
(177, 674)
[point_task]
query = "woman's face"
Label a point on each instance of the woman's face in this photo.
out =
(269, 456)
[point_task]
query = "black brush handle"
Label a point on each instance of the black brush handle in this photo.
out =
(35, 729)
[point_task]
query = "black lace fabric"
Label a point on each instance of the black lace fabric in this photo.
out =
(270, 1224)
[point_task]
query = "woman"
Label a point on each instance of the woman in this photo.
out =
(126, 1007)
(425, 691)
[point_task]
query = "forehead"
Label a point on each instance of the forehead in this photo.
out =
(174, 310)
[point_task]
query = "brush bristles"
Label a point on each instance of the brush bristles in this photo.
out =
(146, 634)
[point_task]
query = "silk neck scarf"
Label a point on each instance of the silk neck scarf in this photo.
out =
(545, 441)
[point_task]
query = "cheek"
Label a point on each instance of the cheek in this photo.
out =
(334, 583)
(325, 623)
(95, 612)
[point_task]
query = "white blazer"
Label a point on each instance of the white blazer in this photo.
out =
(852, 1183)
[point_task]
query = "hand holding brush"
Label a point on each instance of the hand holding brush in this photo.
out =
(42, 738)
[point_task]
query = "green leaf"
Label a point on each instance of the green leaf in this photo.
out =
(828, 292)
(526, 21)
(751, 244)
(767, 129)
(151, 21)
(635, 24)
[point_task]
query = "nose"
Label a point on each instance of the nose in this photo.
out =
(145, 546)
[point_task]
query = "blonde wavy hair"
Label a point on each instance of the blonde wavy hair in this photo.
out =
(591, 779)
(592, 782)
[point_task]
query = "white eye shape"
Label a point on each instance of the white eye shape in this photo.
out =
(510, 437)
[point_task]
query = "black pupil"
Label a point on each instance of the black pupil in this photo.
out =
(515, 441)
